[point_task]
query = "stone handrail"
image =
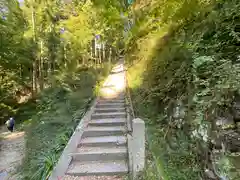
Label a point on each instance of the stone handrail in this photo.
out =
(136, 148)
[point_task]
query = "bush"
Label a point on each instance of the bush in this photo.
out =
(57, 113)
(188, 56)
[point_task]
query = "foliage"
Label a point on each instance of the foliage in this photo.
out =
(41, 39)
(188, 54)
(50, 71)
(58, 110)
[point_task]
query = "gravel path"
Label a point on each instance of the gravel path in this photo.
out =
(11, 153)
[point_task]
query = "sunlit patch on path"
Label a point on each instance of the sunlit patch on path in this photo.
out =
(115, 83)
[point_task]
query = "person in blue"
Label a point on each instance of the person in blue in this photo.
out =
(10, 124)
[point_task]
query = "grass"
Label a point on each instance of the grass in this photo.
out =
(51, 122)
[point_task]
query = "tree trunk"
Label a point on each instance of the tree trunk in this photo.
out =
(104, 52)
(91, 50)
(110, 55)
(51, 60)
(41, 69)
(33, 81)
(65, 55)
(96, 52)
(34, 70)
(100, 55)
(21, 71)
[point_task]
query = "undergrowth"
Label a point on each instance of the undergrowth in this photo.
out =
(52, 121)
(166, 159)
(188, 59)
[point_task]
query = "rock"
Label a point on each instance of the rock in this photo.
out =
(236, 110)
(3, 175)
(210, 174)
(223, 178)
(231, 140)
(217, 143)
(238, 125)
(225, 122)
(179, 110)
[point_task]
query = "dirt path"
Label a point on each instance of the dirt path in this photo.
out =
(11, 153)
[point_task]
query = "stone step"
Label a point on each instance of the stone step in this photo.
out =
(108, 122)
(110, 109)
(111, 101)
(115, 97)
(95, 131)
(108, 141)
(108, 86)
(110, 105)
(109, 115)
(100, 153)
(97, 168)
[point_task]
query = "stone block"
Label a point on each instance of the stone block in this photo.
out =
(138, 146)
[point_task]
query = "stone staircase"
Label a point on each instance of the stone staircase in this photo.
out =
(102, 149)
(98, 148)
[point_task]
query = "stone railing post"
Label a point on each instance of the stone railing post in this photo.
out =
(137, 146)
